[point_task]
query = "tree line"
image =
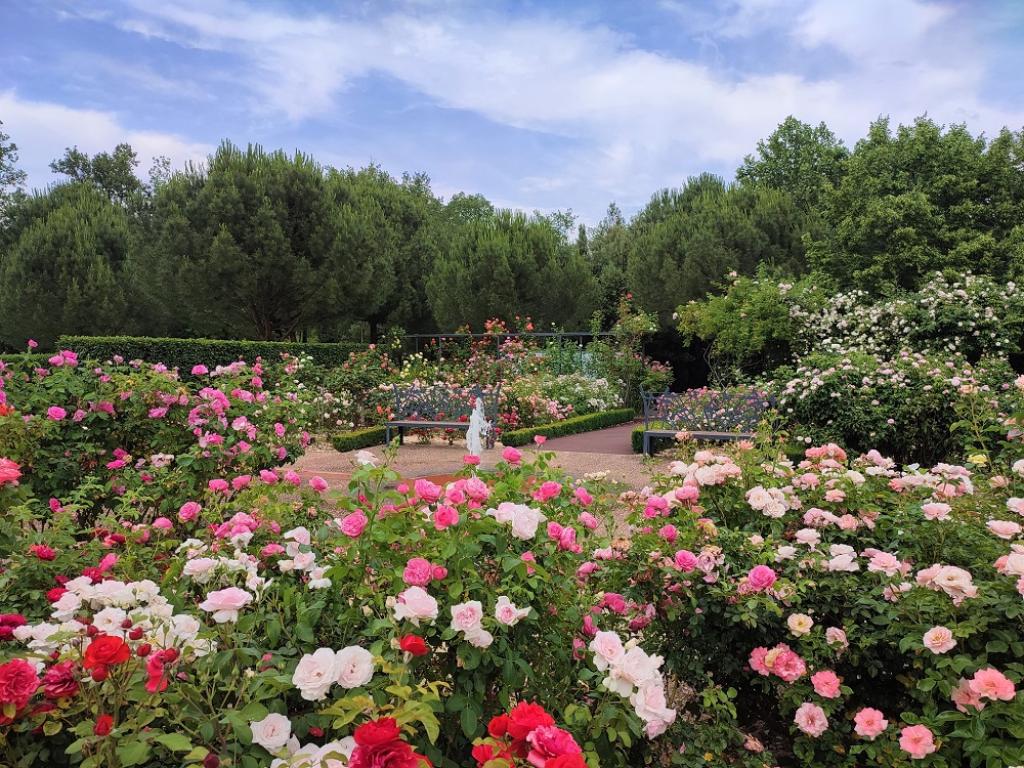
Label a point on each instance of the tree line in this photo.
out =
(267, 245)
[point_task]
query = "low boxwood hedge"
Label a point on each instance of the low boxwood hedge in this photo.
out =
(638, 441)
(185, 353)
(571, 426)
(358, 439)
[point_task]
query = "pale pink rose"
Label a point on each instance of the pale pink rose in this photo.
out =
(467, 617)
(416, 605)
(834, 496)
(826, 684)
(870, 723)
(917, 741)
(607, 649)
(836, 636)
(507, 613)
(1004, 529)
(225, 604)
(811, 719)
(799, 624)
(272, 732)
(315, 674)
(163, 524)
(355, 667)
(939, 640)
(651, 706)
(992, 684)
(936, 510)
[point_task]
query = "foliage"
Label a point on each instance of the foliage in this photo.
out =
(358, 438)
(571, 426)
(186, 353)
(905, 405)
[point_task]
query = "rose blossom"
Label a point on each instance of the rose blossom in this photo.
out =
(272, 732)
(315, 673)
(990, 683)
(799, 624)
(353, 524)
(761, 577)
(418, 572)
(870, 723)
(224, 604)
(416, 605)
(811, 719)
(917, 741)
(939, 640)
(826, 684)
(506, 612)
(355, 667)
(18, 681)
(1004, 529)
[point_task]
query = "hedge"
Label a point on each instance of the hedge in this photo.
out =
(185, 353)
(32, 359)
(571, 426)
(358, 438)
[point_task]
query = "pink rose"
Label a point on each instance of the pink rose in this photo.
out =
(939, 640)
(685, 560)
(1004, 529)
(588, 521)
(418, 572)
(761, 577)
(826, 684)
(225, 604)
(917, 741)
(56, 413)
(445, 516)
(189, 511)
(427, 491)
(466, 617)
(992, 684)
(811, 719)
(10, 471)
(318, 484)
(936, 510)
(511, 455)
(163, 524)
(870, 723)
(416, 605)
(548, 742)
(353, 524)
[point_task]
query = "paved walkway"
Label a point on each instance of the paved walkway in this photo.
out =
(614, 441)
(606, 450)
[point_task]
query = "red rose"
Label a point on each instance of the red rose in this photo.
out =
(377, 732)
(43, 552)
(498, 726)
(390, 754)
(104, 724)
(485, 752)
(414, 644)
(60, 682)
(55, 594)
(8, 623)
(18, 681)
(106, 651)
(524, 717)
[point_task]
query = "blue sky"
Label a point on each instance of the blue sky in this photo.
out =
(537, 105)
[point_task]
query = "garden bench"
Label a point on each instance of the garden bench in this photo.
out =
(735, 414)
(439, 407)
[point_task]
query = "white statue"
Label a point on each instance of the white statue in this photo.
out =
(477, 429)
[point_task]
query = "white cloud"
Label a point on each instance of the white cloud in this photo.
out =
(42, 130)
(637, 119)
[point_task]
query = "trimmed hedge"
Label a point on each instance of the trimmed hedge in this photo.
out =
(358, 439)
(184, 353)
(571, 426)
(638, 441)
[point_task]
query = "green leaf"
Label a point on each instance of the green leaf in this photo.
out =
(132, 753)
(176, 742)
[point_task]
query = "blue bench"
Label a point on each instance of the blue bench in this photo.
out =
(733, 416)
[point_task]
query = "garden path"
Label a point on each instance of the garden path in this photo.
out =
(591, 452)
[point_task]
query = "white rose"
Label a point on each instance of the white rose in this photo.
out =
(316, 673)
(272, 732)
(466, 617)
(355, 667)
(415, 604)
(525, 522)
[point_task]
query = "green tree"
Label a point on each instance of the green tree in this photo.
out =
(64, 272)
(12, 178)
(798, 158)
(923, 199)
(111, 172)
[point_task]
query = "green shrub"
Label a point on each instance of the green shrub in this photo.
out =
(573, 426)
(358, 438)
(185, 353)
